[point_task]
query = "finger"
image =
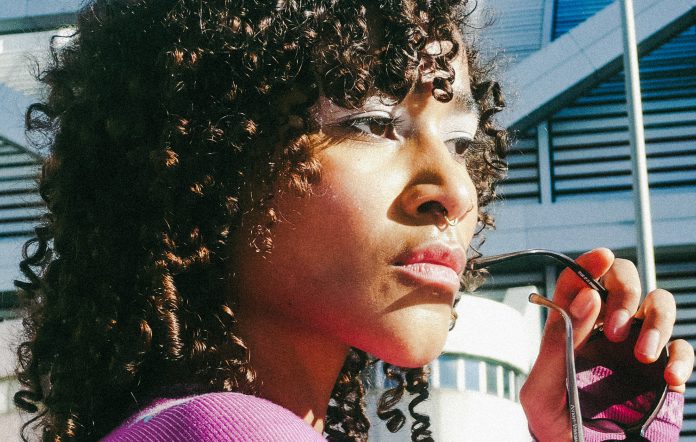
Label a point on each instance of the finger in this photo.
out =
(597, 262)
(584, 310)
(623, 282)
(659, 311)
(680, 366)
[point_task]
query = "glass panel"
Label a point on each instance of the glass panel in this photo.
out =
(519, 380)
(471, 374)
(448, 371)
(507, 374)
(491, 379)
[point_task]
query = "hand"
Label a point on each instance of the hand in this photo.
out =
(543, 396)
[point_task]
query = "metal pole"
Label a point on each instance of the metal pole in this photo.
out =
(641, 195)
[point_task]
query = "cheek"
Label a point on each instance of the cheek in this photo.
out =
(343, 225)
(350, 207)
(326, 248)
(330, 267)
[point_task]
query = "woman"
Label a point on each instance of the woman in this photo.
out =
(246, 199)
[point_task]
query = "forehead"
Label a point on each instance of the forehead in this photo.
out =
(462, 98)
(378, 81)
(462, 102)
(462, 81)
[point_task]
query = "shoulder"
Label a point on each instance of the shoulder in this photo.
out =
(214, 417)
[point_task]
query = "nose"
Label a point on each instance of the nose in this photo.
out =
(440, 189)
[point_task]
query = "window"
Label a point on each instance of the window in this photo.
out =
(508, 383)
(462, 372)
(492, 378)
(472, 374)
(448, 371)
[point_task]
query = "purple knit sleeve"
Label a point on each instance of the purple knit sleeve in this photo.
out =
(214, 417)
(611, 404)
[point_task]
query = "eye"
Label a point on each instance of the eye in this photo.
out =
(373, 126)
(459, 145)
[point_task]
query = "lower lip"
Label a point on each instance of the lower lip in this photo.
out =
(435, 275)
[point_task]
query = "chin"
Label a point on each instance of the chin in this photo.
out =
(414, 360)
(418, 344)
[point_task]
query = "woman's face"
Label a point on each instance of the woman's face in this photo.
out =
(367, 258)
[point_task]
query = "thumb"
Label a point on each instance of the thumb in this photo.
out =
(544, 394)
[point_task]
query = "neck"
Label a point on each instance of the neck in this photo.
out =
(296, 368)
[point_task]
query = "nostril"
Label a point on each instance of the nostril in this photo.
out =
(431, 206)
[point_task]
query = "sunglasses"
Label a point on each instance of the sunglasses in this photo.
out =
(600, 366)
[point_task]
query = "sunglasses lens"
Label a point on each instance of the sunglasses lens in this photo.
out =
(617, 392)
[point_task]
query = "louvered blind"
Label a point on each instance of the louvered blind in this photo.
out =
(517, 27)
(678, 275)
(570, 13)
(20, 209)
(20, 203)
(589, 139)
(522, 182)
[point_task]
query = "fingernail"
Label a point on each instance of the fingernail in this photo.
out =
(679, 368)
(582, 304)
(648, 342)
(618, 324)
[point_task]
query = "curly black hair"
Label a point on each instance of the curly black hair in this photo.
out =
(160, 134)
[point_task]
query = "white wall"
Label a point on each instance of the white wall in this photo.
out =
(587, 222)
(489, 329)
(10, 418)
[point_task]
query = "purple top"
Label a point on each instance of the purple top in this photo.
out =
(214, 417)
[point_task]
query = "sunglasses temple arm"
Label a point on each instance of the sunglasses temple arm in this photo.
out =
(483, 262)
(571, 385)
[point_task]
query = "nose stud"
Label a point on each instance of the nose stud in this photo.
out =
(450, 222)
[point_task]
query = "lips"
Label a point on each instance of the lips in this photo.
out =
(436, 265)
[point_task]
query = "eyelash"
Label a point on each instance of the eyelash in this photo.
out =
(458, 146)
(457, 143)
(384, 124)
